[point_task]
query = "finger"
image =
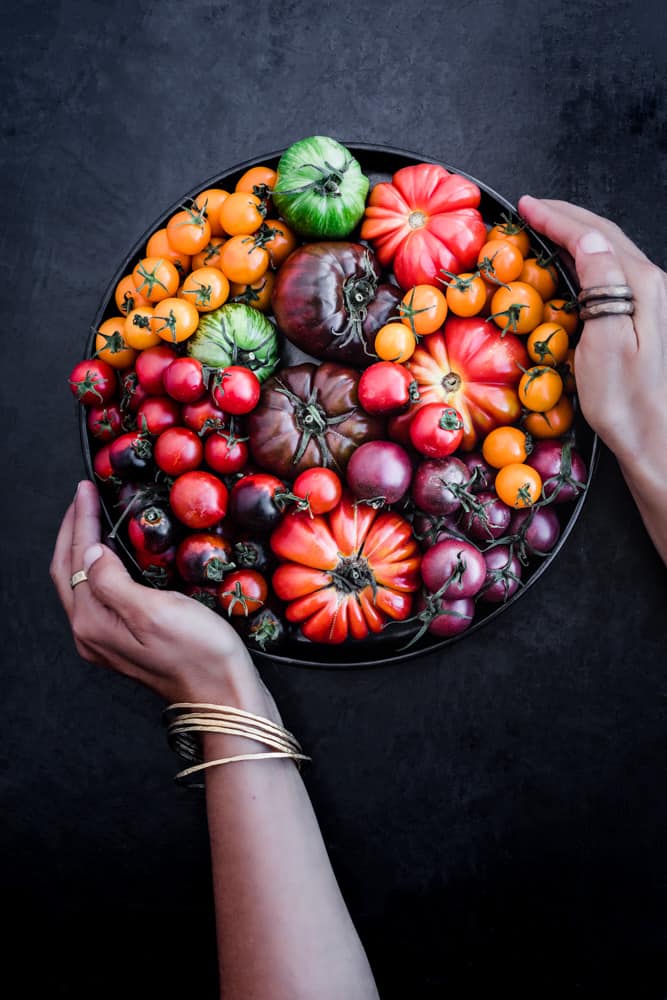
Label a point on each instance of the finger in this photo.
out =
(61, 561)
(574, 215)
(86, 522)
(110, 585)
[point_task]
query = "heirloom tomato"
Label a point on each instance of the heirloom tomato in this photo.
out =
(151, 529)
(203, 558)
(236, 334)
(329, 301)
(309, 415)
(257, 501)
(320, 487)
(471, 367)
(425, 221)
(345, 573)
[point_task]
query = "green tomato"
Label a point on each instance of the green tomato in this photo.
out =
(320, 191)
(236, 334)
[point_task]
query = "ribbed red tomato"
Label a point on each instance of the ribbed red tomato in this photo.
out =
(425, 221)
(471, 367)
(346, 572)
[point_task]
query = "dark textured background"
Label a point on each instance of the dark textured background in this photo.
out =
(496, 815)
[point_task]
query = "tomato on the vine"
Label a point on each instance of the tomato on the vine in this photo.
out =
(504, 446)
(548, 344)
(209, 202)
(423, 309)
(395, 342)
(189, 231)
(225, 452)
(518, 485)
(156, 278)
(174, 320)
(436, 430)
(236, 390)
(206, 288)
(540, 388)
(242, 592)
(159, 246)
(551, 423)
(178, 450)
(320, 487)
(198, 499)
(242, 261)
(517, 308)
(93, 382)
(110, 344)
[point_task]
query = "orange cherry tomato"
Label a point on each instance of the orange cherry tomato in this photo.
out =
(259, 181)
(548, 344)
(466, 294)
(174, 320)
(552, 423)
(563, 312)
(517, 308)
(566, 371)
(159, 246)
(512, 232)
(241, 214)
(110, 344)
(210, 255)
(137, 329)
(423, 309)
(242, 261)
(210, 202)
(258, 295)
(189, 231)
(518, 485)
(127, 297)
(206, 288)
(540, 388)
(276, 236)
(499, 260)
(505, 445)
(156, 278)
(541, 274)
(395, 342)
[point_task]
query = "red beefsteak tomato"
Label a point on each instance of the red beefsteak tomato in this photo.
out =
(471, 367)
(426, 220)
(346, 573)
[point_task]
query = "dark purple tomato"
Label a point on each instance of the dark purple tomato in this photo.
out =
(208, 596)
(178, 450)
(448, 616)
(93, 382)
(139, 495)
(562, 469)
(427, 527)
(184, 380)
(130, 454)
(151, 529)
(204, 417)
(457, 566)
(264, 630)
(104, 422)
(252, 502)
(488, 519)
(381, 471)
(250, 553)
(503, 575)
(482, 475)
(157, 414)
(437, 485)
(387, 388)
(539, 527)
(150, 367)
(204, 558)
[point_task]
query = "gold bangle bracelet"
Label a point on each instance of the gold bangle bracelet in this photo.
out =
(197, 718)
(189, 771)
(184, 737)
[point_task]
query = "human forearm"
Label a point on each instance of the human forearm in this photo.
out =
(648, 485)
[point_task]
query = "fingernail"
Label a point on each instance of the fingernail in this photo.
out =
(594, 242)
(527, 197)
(91, 555)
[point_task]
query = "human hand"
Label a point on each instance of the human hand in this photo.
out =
(167, 641)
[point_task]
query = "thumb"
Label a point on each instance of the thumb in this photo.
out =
(596, 262)
(111, 584)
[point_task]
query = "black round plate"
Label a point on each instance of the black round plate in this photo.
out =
(379, 163)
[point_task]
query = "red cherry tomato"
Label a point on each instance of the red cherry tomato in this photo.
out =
(132, 392)
(236, 390)
(242, 592)
(387, 388)
(184, 380)
(436, 430)
(178, 450)
(204, 417)
(151, 365)
(93, 382)
(225, 453)
(320, 487)
(198, 499)
(104, 422)
(157, 414)
(102, 464)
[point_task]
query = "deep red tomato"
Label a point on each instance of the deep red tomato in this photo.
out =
(157, 414)
(236, 390)
(151, 529)
(178, 450)
(104, 422)
(158, 567)
(436, 430)
(184, 380)
(198, 499)
(471, 367)
(347, 572)
(203, 558)
(253, 503)
(130, 454)
(150, 367)
(425, 221)
(225, 453)
(242, 592)
(93, 382)
(320, 487)
(204, 417)
(102, 464)
(387, 388)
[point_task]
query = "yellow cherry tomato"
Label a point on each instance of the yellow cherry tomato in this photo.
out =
(423, 309)
(395, 342)
(174, 320)
(137, 329)
(257, 295)
(518, 485)
(541, 274)
(189, 231)
(540, 388)
(206, 288)
(512, 232)
(466, 294)
(242, 261)
(548, 344)
(241, 214)
(517, 308)
(127, 297)
(552, 423)
(210, 202)
(258, 180)
(210, 255)
(500, 261)
(159, 246)
(562, 311)
(110, 344)
(156, 278)
(505, 445)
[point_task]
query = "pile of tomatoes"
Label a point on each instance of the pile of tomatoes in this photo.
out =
(411, 476)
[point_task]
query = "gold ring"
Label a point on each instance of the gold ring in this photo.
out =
(607, 307)
(78, 578)
(604, 292)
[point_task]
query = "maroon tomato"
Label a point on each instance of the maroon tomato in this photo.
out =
(102, 464)
(130, 454)
(453, 568)
(157, 414)
(242, 592)
(438, 483)
(387, 388)
(487, 519)
(178, 450)
(503, 575)
(236, 390)
(538, 529)
(253, 501)
(436, 430)
(184, 380)
(320, 487)
(104, 422)
(561, 468)
(157, 567)
(204, 417)
(150, 367)
(447, 617)
(204, 558)
(482, 475)
(225, 453)
(198, 499)
(93, 382)
(151, 529)
(379, 472)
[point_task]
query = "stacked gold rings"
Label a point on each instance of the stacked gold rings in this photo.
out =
(605, 300)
